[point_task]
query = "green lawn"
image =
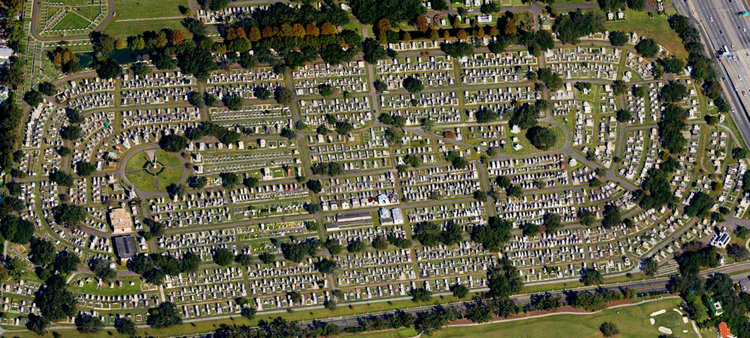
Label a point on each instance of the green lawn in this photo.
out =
(139, 9)
(90, 12)
(172, 172)
(655, 27)
(71, 21)
(128, 28)
(632, 321)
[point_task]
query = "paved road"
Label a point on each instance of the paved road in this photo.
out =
(720, 25)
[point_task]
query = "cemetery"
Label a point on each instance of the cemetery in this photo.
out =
(291, 188)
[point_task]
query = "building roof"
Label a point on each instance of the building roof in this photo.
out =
(121, 220)
(126, 246)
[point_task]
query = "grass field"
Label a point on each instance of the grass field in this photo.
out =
(90, 12)
(172, 172)
(128, 28)
(655, 27)
(71, 21)
(138, 9)
(632, 321)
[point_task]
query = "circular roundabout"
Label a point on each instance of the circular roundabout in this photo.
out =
(151, 169)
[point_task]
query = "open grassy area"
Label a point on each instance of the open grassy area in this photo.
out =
(90, 12)
(139, 9)
(632, 321)
(71, 21)
(128, 28)
(171, 171)
(655, 27)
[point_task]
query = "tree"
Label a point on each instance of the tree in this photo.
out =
(586, 217)
(125, 326)
(647, 48)
(612, 216)
(673, 92)
(261, 93)
(571, 26)
(619, 87)
(492, 235)
(427, 233)
(484, 115)
(326, 266)
(355, 246)
(650, 266)
(55, 302)
(380, 86)
(84, 168)
(325, 90)
(530, 229)
(283, 95)
(247, 60)
(458, 49)
(700, 205)
(459, 290)
(489, 7)
(737, 252)
(380, 243)
(86, 323)
(37, 323)
(101, 268)
(47, 88)
(69, 215)
(420, 295)
(165, 315)
(503, 279)
(233, 102)
(176, 190)
(223, 257)
(542, 138)
(33, 98)
(609, 329)
(373, 51)
(42, 252)
(250, 182)
(108, 69)
(344, 127)
(369, 11)
(412, 84)
(314, 186)
(591, 276)
(552, 222)
(525, 116)
(229, 180)
(551, 80)
(673, 64)
(617, 38)
(66, 262)
(248, 312)
(61, 178)
(140, 69)
(16, 230)
(624, 115)
(655, 190)
(266, 258)
(70, 133)
(198, 62)
(173, 143)
(739, 153)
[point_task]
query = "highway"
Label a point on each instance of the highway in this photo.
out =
(720, 25)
